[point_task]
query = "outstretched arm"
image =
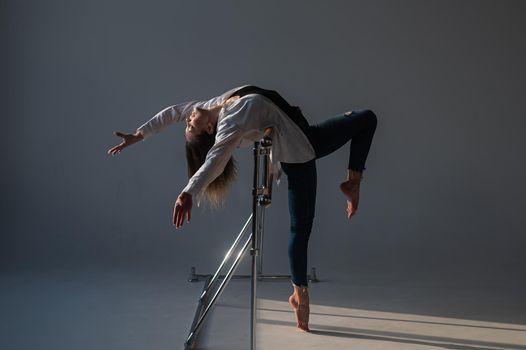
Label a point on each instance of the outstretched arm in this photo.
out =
(164, 118)
(167, 116)
(157, 123)
(179, 112)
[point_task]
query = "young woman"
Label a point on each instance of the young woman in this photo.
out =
(237, 118)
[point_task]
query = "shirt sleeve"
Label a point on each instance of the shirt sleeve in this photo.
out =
(215, 161)
(178, 112)
(166, 117)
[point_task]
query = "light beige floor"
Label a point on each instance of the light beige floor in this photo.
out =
(114, 309)
(345, 328)
(336, 327)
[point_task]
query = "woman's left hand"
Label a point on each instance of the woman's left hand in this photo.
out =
(182, 208)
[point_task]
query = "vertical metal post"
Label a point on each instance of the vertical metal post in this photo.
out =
(254, 249)
(261, 220)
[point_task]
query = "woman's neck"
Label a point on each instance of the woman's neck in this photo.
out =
(214, 114)
(215, 110)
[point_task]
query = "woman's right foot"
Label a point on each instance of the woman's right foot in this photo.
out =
(351, 190)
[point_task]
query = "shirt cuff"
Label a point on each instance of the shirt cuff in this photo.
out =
(188, 189)
(196, 197)
(144, 132)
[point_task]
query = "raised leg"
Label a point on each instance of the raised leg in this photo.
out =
(328, 136)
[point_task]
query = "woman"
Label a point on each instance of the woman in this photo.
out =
(237, 118)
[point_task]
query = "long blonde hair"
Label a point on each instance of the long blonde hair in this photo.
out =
(196, 151)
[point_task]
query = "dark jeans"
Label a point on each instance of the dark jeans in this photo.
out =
(326, 137)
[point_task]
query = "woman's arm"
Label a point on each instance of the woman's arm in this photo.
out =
(215, 162)
(167, 116)
(178, 112)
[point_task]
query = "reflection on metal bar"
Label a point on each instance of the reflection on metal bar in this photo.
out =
(227, 256)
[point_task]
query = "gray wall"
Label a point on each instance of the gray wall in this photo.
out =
(444, 185)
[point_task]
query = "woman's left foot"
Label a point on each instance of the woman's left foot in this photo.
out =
(300, 304)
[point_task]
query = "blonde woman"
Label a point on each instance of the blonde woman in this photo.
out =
(214, 128)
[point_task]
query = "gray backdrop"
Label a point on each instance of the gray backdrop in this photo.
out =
(444, 185)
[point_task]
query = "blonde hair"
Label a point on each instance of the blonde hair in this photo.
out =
(196, 151)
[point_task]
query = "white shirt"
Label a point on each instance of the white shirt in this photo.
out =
(240, 124)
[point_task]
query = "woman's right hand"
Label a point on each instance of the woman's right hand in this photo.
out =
(128, 139)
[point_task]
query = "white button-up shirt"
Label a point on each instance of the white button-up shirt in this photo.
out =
(240, 124)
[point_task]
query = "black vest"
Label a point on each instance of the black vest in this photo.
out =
(294, 112)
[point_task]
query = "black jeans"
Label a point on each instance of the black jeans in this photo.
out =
(326, 137)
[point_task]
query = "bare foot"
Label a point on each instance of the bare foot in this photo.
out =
(351, 190)
(301, 310)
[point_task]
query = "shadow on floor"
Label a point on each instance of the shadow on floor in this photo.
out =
(355, 333)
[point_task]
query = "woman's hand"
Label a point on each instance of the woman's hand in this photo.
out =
(128, 139)
(182, 208)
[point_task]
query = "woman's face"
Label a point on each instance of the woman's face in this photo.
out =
(197, 123)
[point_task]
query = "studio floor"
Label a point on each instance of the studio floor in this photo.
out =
(131, 309)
